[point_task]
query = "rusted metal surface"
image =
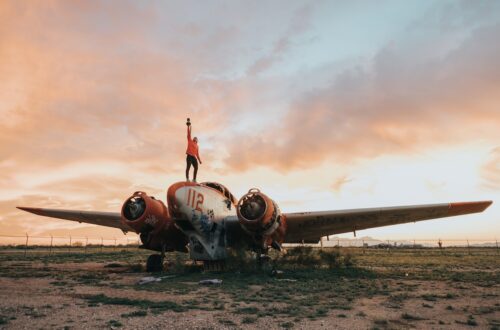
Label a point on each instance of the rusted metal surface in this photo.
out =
(310, 226)
(261, 218)
(150, 218)
(142, 212)
(468, 207)
(108, 219)
(171, 199)
(207, 217)
(200, 212)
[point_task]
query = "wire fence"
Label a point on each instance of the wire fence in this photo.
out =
(454, 246)
(65, 244)
(406, 243)
(77, 244)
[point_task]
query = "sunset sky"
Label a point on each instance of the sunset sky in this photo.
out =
(321, 104)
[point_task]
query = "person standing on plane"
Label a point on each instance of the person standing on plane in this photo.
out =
(192, 153)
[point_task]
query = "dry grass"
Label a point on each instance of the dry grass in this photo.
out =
(346, 287)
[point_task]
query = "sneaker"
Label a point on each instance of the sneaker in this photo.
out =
(187, 180)
(194, 180)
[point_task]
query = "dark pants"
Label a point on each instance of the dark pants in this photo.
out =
(191, 160)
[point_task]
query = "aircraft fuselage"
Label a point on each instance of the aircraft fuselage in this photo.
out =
(200, 212)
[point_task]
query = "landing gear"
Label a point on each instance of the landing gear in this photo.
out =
(154, 263)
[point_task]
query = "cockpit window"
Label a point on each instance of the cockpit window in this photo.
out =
(215, 186)
(231, 197)
(224, 191)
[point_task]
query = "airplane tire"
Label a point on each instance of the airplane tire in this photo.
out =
(154, 263)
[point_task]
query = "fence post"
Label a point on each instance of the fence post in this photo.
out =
(26, 245)
(86, 243)
(496, 241)
(468, 246)
(69, 248)
(51, 241)
(321, 243)
(102, 243)
(115, 245)
(363, 242)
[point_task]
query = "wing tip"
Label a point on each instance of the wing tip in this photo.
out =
(34, 210)
(468, 207)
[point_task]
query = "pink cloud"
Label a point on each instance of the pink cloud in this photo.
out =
(490, 171)
(399, 105)
(99, 82)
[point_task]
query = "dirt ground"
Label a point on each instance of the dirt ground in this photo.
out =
(425, 289)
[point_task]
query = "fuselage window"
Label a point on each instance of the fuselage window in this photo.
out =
(223, 190)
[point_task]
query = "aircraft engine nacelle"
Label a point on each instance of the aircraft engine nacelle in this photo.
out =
(261, 217)
(145, 214)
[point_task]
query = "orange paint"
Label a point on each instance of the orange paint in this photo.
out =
(467, 207)
(172, 205)
(269, 225)
(155, 214)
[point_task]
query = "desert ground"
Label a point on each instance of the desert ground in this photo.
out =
(346, 288)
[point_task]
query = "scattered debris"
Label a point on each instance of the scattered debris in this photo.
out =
(152, 279)
(148, 279)
(277, 273)
(286, 280)
(210, 282)
(168, 276)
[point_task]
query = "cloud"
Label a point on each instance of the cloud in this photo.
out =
(83, 81)
(490, 171)
(299, 23)
(97, 82)
(402, 102)
(94, 96)
(93, 100)
(340, 182)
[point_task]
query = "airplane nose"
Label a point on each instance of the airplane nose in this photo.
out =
(172, 200)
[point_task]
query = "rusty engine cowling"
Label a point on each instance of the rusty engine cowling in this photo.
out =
(147, 216)
(261, 217)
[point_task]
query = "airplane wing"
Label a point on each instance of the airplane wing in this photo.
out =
(107, 219)
(309, 227)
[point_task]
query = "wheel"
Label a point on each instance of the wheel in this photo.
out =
(154, 263)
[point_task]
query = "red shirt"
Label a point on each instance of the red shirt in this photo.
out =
(192, 148)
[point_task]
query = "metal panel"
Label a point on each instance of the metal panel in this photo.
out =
(311, 226)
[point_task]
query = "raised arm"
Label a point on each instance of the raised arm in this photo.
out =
(189, 132)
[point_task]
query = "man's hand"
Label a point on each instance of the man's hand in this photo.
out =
(188, 123)
(200, 161)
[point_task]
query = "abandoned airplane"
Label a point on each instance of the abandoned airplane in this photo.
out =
(203, 219)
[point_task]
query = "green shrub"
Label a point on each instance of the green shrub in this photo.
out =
(330, 258)
(241, 259)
